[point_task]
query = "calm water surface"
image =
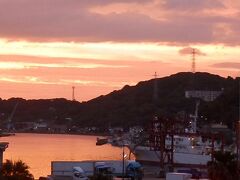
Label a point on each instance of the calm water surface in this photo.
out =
(38, 150)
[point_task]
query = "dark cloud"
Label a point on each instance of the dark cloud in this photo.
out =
(84, 26)
(189, 50)
(61, 20)
(231, 65)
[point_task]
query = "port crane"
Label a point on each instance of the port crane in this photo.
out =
(8, 121)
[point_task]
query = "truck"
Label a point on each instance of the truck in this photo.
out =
(132, 169)
(77, 173)
(194, 172)
(178, 176)
(110, 168)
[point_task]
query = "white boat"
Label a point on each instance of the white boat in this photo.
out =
(185, 153)
(189, 149)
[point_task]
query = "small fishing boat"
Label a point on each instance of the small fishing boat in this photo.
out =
(101, 141)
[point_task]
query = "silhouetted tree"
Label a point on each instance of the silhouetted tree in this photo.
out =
(224, 167)
(16, 170)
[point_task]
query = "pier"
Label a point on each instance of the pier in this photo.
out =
(3, 146)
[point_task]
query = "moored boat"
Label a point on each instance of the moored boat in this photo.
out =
(186, 149)
(101, 141)
(4, 134)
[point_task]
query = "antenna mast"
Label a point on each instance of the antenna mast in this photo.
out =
(73, 93)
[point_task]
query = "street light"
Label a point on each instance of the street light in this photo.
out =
(123, 165)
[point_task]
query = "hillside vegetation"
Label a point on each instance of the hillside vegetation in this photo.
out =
(135, 105)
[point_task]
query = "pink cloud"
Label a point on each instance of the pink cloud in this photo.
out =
(227, 65)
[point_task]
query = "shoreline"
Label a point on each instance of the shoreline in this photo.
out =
(34, 132)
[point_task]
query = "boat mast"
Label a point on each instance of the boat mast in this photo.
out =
(194, 118)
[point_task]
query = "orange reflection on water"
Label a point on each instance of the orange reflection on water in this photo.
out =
(38, 150)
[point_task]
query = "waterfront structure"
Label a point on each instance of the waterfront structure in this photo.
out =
(3, 146)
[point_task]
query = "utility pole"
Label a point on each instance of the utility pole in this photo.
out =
(193, 60)
(123, 162)
(155, 88)
(238, 128)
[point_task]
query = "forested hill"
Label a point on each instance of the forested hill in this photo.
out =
(135, 105)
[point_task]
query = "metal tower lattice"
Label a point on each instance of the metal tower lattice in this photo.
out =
(73, 93)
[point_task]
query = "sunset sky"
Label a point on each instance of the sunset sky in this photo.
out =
(48, 46)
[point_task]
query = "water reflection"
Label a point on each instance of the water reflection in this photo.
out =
(38, 150)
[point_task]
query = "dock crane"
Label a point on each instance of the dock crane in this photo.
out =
(9, 119)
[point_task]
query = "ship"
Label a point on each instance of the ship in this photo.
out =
(189, 149)
(101, 141)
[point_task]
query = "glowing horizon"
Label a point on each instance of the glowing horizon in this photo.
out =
(100, 46)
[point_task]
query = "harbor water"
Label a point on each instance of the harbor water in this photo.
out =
(38, 150)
